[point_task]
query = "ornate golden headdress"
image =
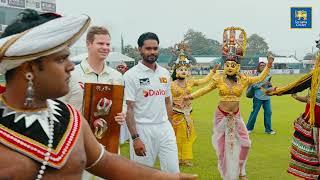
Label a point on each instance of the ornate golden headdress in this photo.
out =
(234, 47)
(181, 50)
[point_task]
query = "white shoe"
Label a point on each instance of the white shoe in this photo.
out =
(271, 132)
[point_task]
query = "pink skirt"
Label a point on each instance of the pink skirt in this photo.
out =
(231, 142)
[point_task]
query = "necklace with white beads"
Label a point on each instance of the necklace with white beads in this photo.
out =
(50, 145)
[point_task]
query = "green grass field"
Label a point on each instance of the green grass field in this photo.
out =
(269, 155)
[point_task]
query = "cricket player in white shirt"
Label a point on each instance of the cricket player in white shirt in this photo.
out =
(93, 70)
(147, 93)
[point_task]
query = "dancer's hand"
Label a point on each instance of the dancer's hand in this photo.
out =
(187, 98)
(216, 67)
(270, 60)
(269, 91)
(139, 147)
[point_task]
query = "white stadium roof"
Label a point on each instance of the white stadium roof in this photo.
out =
(281, 60)
(206, 60)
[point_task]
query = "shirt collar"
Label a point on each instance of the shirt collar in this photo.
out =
(145, 68)
(87, 69)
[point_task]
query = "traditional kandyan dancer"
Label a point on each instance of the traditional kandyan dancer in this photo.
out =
(182, 121)
(305, 148)
(40, 136)
(230, 137)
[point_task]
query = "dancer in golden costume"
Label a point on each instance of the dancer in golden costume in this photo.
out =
(182, 121)
(230, 136)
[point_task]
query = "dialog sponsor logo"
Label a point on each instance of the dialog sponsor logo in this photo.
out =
(158, 92)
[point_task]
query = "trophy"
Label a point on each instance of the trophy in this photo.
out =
(101, 104)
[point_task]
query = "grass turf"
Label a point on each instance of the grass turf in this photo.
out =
(269, 155)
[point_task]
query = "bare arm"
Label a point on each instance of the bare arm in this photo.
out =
(169, 108)
(131, 123)
(138, 145)
(301, 98)
(112, 166)
(212, 85)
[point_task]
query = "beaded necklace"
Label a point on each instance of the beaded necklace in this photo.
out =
(50, 142)
(40, 116)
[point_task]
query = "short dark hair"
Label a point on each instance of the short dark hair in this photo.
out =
(258, 66)
(146, 36)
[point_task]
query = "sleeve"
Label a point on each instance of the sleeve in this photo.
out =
(130, 88)
(297, 86)
(75, 94)
(212, 85)
(256, 85)
(197, 82)
(168, 85)
(118, 79)
(261, 77)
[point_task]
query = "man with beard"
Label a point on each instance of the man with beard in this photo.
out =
(40, 136)
(147, 93)
(93, 69)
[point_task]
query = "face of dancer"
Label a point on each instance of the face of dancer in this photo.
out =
(182, 72)
(100, 46)
(149, 51)
(182, 57)
(231, 68)
(52, 80)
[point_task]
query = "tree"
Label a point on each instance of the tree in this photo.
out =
(200, 44)
(166, 51)
(132, 52)
(256, 46)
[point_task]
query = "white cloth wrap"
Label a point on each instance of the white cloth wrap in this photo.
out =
(45, 39)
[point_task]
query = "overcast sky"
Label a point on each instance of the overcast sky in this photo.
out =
(171, 19)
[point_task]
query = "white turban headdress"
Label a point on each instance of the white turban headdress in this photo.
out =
(43, 40)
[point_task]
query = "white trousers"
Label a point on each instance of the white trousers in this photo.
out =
(160, 141)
